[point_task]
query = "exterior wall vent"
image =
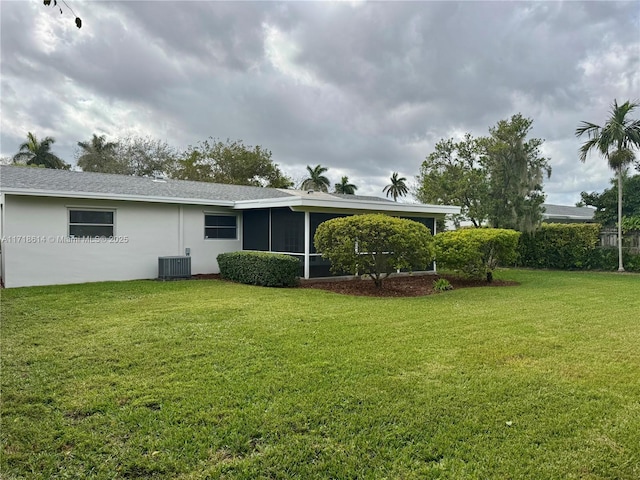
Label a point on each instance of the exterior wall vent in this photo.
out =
(170, 268)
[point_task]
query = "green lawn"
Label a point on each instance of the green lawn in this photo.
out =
(206, 379)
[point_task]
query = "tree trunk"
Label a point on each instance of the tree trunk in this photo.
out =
(620, 265)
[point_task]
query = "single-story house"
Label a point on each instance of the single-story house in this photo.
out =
(61, 227)
(565, 214)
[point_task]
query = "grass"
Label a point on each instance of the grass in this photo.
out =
(206, 379)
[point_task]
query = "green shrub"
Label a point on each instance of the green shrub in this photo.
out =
(563, 246)
(631, 224)
(476, 252)
(374, 244)
(260, 268)
(607, 259)
(442, 285)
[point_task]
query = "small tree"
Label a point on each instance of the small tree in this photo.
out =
(476, 252)
(376, 245)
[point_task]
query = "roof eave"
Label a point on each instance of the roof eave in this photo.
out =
(115, 196)
(302, 203)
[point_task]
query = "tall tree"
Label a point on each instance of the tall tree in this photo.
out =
(230, 162)
(316, 179)
(38, 153)
(454, 175)
(98, 155)
(615, 141)
(397, 187)
(516, 171)
(345, 187)
(496, 179)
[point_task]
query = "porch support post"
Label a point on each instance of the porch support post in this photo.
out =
(307, 242)
(435, 230)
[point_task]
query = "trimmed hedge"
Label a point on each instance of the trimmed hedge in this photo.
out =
(476, 252)
(571, 246)
(260, 268)
(607, 259)
(562, 246)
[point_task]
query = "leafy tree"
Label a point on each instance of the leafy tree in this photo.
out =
(606, 203)
(375, 244)
(455, 175)
(476, 252)
(38, 153)
(144, 156)
(230, 162)
(316, 179)
(397, 187)
(345, 187)
(495, 179)
(615, 141)
(98, 155)
(516, 171)
(193, 167)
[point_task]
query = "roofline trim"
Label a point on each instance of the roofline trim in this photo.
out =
(115, 196)
(302, 202)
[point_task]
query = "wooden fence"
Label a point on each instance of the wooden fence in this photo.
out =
(630, 240)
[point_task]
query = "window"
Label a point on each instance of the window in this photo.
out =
(220, 226)
(91, 223)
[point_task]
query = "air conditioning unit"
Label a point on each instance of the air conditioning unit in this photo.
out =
(170, 268)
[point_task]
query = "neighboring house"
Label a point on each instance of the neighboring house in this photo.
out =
(62, 227)
(566, 214)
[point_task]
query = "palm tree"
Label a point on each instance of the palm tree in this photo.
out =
(615, 141)
(33, 152)
(316, 180)
(97, 155)
(345, 187)
(397, 187)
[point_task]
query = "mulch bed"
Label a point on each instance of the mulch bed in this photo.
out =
(398, 286)
(395, 286)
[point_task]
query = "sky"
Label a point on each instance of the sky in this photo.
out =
(362, 88)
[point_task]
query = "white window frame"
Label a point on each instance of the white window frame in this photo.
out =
(91, 209)
(219, 214)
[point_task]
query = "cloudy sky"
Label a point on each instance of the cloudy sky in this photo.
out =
(362, 88)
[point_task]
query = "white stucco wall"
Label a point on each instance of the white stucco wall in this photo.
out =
(151, 230)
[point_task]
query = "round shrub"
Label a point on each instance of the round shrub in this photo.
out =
(374, 244)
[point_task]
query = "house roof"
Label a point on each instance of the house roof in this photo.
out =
(39, 181)
(63, 183)
(564, 212)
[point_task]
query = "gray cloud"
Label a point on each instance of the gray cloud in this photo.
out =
(363, 88)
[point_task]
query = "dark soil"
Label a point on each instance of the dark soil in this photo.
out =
(398, 286)
(395, 286)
